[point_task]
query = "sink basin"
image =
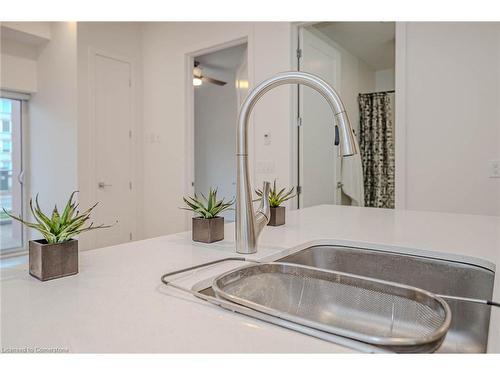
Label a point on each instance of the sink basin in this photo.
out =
(470, 322)
(468, 332)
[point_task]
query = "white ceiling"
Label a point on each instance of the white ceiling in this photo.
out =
(372, 42)
(227, 59)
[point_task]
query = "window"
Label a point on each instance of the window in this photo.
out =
(5, 106)
(5, 183)
(6, 145)
(5, 126)
(5, 165)
(11, 189)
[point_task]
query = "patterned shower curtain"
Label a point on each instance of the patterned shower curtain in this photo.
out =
(376, 141)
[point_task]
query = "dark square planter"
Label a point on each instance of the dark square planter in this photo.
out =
(208, 230)
(51, 261)
(277, 216)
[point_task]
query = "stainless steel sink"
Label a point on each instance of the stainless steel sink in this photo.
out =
(470, 322)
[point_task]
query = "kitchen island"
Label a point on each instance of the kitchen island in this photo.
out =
(117, 302)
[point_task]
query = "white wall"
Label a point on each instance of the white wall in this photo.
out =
(385, 80)
(452, 120)
(31, 32)
(166, 161)
(53, 120)
(354, 82)
(18, 65)
(216, 112)
(272, 53)
(21, 43)
(115, 39)
(18, 74)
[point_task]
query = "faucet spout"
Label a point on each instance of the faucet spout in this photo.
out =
(250, 224)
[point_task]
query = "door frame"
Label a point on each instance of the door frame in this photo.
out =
(295, 107)
(189, 107)
(400, 116)
(92, 192)
(399, 111)
(23, 176)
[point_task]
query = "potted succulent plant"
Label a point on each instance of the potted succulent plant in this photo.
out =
(56, 255)
(207, 227)
(276, 198)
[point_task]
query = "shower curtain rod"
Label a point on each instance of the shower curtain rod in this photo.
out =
(379, 92)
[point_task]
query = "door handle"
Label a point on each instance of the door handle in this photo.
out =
(102, 185)
(20, 177)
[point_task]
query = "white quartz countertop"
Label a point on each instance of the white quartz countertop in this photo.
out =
(117, 302)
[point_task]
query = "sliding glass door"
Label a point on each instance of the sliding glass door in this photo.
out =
(11, 188)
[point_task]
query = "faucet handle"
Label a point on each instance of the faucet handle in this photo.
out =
(263, 214)
(266, 187)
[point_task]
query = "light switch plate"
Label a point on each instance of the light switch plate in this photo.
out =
(495, 168)
(265, 167)
(267, 139)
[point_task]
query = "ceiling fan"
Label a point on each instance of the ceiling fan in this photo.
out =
(199, 78)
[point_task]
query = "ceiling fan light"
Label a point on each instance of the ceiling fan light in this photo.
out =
(197, 81)
(242, 84)
(197, 72)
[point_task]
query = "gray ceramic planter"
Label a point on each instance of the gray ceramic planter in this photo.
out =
(208, 230)
(51, 261)
(277, 216)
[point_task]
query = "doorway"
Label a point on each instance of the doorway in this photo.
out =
(220, 81)
(358, 60)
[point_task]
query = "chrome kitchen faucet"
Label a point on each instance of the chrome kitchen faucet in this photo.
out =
(249, 224)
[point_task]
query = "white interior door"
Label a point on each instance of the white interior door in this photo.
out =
(113, 151)
(319, 165)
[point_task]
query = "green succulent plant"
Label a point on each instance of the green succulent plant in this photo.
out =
(276, 198)
(207, 208)
(57, 228)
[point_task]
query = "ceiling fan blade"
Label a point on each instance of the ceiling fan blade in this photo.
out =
(213, 80)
